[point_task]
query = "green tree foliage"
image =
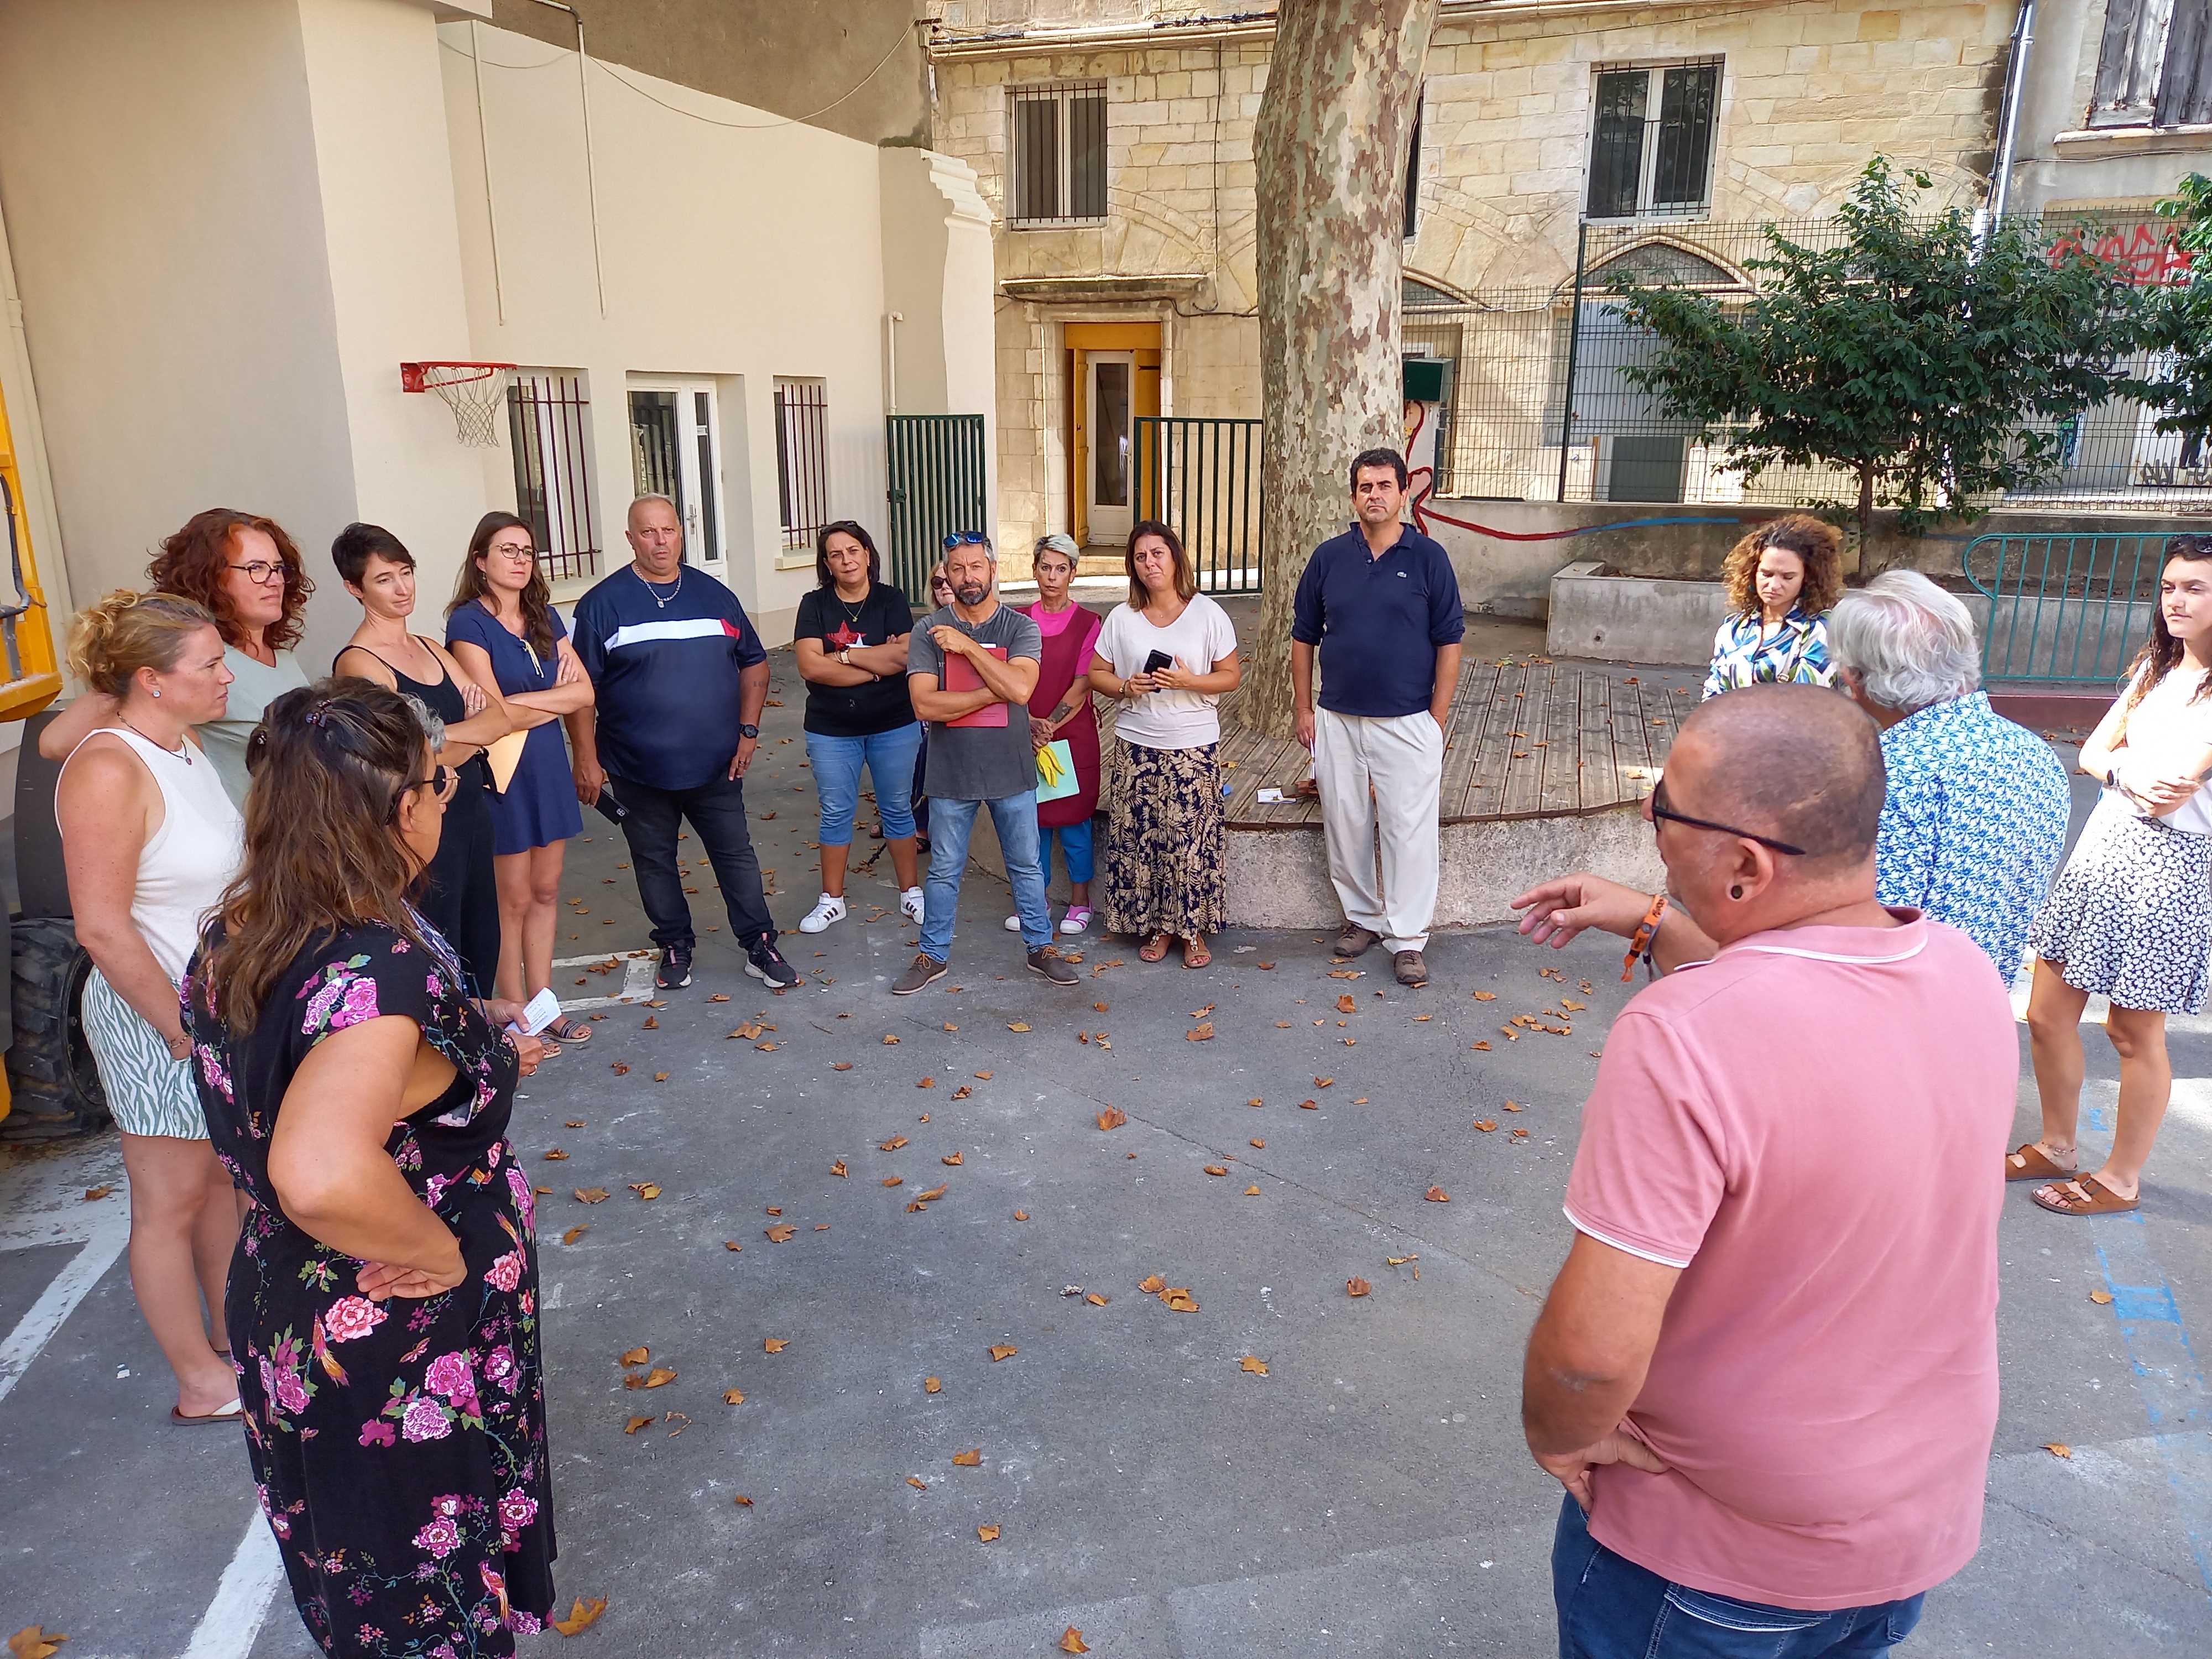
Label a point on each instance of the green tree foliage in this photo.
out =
(1907, 356)
(2179, 320)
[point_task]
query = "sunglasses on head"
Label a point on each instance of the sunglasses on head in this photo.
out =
(966, 538)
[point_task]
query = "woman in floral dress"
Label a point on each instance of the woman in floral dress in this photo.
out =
(383, 1302)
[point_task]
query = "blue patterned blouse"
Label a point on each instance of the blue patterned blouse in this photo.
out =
(1747, 651)
(1972, 823)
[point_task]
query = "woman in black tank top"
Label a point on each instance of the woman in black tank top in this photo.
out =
(459, 897)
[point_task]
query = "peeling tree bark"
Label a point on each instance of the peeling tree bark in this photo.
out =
(1330, 159)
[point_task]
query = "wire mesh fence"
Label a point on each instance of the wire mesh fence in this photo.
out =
(1510, 429)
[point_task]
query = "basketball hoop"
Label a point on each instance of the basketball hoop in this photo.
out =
(474, 392)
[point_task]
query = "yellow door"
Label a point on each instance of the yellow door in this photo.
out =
(1112, 382)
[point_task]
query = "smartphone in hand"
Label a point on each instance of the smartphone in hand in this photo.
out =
(1156, 662)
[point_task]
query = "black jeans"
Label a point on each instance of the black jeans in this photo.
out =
(717, 811)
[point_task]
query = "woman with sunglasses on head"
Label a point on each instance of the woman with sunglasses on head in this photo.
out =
(384, 1299)
(502, 630)
(851, 642)
(2129, 917)
(461, 897)
(150, 840)
(246, 573)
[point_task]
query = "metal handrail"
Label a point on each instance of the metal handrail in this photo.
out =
(2069, 609)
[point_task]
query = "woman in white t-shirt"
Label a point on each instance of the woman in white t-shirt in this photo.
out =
(2130, 916)
(1167, 656)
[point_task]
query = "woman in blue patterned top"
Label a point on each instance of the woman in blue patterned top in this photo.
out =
(1782, 580)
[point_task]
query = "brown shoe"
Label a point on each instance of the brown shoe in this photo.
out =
(1410, 968)
(1354, 939)
(926, 969)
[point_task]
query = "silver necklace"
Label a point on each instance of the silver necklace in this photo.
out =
(183, 750)
(657, 599)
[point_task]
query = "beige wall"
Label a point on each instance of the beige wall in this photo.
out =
(1811, 89)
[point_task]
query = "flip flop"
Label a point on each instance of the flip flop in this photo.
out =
(229, 1413)
(1155, 948)
(2028, 1162)
(2101, 1199)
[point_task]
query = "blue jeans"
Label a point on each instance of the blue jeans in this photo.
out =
(1074, 850)
(1611, 1608)
(950, 824)
(889, 759)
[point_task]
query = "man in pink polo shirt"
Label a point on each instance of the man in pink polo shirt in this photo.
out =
(1767, 1373)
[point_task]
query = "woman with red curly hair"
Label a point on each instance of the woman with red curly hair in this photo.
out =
(1781, 579)
(247, 573)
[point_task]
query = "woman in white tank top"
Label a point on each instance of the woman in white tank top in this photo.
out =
(150, 840)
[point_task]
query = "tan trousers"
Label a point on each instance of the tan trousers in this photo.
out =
(1403, 759)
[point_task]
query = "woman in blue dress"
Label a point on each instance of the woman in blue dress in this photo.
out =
(501, 627)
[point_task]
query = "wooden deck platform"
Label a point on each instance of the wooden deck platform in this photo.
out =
(1528, 738)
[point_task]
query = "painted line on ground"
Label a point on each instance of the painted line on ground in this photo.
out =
(235, 1618)
(59, 1300)
(637, 978)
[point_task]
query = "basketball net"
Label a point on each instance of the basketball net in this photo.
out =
(476, 393)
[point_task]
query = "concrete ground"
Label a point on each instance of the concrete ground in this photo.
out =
(1367, 1495)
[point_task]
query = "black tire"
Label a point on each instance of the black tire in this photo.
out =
(50, 1072)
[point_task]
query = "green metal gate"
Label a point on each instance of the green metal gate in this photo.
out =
(937, 486)
(1201, 479)
(2064, 610)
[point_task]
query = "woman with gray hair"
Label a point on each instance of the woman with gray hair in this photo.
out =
(1974, 818)
(1059, 711)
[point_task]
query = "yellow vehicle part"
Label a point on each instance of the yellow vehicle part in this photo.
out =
(27, 641)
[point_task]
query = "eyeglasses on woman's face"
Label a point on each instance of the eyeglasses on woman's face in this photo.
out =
(440, 782)
(261, 572)
(1661, 814)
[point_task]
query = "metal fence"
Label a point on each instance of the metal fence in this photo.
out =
(1201, 479)
(1511, 431)
(2064, 610)
(936, 464)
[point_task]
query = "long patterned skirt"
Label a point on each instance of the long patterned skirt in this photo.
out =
(1165, 872)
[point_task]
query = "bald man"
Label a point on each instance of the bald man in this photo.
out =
(1767, 1373)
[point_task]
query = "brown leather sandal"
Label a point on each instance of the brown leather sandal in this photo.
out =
(2028, 1162)
(2100, 1199)
(1196, 954)
(1153, 948)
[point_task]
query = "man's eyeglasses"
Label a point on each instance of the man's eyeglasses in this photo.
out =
(1660, 813)
(966, 538)
(440, 782)
(260, 571)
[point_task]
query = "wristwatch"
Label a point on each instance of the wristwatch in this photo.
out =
(746, 730)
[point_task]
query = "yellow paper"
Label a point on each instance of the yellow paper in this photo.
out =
(504, 754)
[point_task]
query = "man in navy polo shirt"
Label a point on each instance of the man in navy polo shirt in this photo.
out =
(682, 678)
(1381, 605)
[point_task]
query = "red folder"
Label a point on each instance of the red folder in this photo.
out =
(960, 675)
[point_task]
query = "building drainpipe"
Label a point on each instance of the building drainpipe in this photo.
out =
(2023, 47)
(590, 171)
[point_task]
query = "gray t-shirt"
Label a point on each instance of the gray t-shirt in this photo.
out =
(978, 762)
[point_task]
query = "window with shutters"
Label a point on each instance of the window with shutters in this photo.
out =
(2154, 65)
(1056, 136)
(1651, 141)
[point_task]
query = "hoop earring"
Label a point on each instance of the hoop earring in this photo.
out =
(1735, 892)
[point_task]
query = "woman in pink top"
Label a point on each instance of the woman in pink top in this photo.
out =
(1060, 710)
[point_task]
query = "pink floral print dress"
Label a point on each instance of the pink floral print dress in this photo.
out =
(398, 1446)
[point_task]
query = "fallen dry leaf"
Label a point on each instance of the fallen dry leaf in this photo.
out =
(839, 1169)
(1251, 1192)
(951, 1027)
(1438, 1195)
(733, 1397)
(1096, 1300)
(968, 1460)
(931, 1384)
(1511, 1107)
(1400, 1260)
(1257, 1367)
(890, 1038)
(894, 1181)
(555, 1156)
(1203, 1034)
(741, 1500)
(1264, 965)
(660, 1077)
(1485, 996)
(1357, 1287)
(574, 1123)
(1483, 1046)
(1003, 1351)
(988, 1534)
(1021, 1215)
(924, 1118)
(1073, 1642)
(652, 1022)
(918, 1486)
(983, 1077)
(1485, 1124)
(775, 1209)
(1216, 1170)
(964, 1092)
(575, 1232)
(1344, 1005)
(648, 1190)
(2058, 1448)
(620, 1070)
(586, 1610)
(637, 1423)
(660, 1377)
(782, 1233)
(926, 1082)
(892, 1145)
(954, 1160)
(732, 1244)
(636, 1357)
(36, 1641)
(2102, 1298)
(1323, 1082)
(1179, 1299)
(1282, 1025)
(1017, 1026)
(776, 1344)
(1152, 1284)
(1112, 1118)
(1258, 1143)
(842, 1066)
(1572, 1005)
(718, 996)
(930, 1196)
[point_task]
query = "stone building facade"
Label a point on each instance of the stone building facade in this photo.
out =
(1113, 140)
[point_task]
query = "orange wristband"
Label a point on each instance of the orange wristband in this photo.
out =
(1639, 943)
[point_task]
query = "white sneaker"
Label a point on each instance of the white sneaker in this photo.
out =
(826, 910)
(910, 901)
(1013, 924)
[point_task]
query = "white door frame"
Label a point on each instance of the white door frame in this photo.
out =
(1109, 522)
(705, 511)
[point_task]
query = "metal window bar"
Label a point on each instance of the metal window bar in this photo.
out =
(1651, 140)
(549, 421)
(2064, 610)
(802, 459)
(1201, 479)
(1056, 136)
(935, 487)
(1514, 433)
